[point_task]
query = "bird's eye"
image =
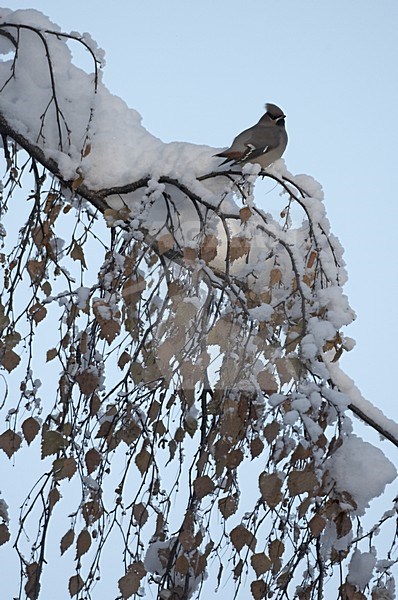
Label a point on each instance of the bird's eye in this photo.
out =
(277, 118)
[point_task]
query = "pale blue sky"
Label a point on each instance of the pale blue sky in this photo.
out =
(201, 72)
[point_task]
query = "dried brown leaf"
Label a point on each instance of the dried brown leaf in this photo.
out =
(245, 213)
(95, 405)
(302, 481)
(67, 541)
(106, 429)
(4, 320)
(51, 442)
(182, 565)
(64, 468)
(112, 215)
(349, 592)
(276, 548)
(10, 442)
(208, 251)
(228, 506)
(287, 369)
(10, 360)
(32, 586)
(143, 460)
(203, 486)
(92, 459)
(275, 277)
(51, 354)
(260, 563)
(234, 458)
(190, 256)
(130, 582)
(107, 319)
(76, 584)
(36, 269)
(92, 511)
(256, 447)
(38, 312)
(198, 563)
(283, 578)
(317, 525)
(304, 506)
(124, 359)
(271, 431)
(270, 485)
(4, 534)
(311, 259)
(165, 243)
(240, 536)
(239, 247)
(78, 254)
(343, 524)
(300, 453)
(154, 410)
(132, 289)
(88, 381)
(130, 432)
(258, 589)
(109, 330)
(140, 514)
(267, 382)
(12, 339)
(83, 543)
(30, 428)
(75, 184)
(53, 497)
(187, 540)
(222, 332)
(238, 569)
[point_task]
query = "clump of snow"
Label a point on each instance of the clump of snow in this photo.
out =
(321, 330)
(291, 417)
(330, 540)
(360, 469)
(309, 349)
(156, 562)
(119, 149)
(90, 483)
(301, 403)
(276, 399)
(361, 567)
(339, 312)
(312, 187)
(262, 312)
(82, 296)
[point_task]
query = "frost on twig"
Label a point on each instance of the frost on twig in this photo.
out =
(187, 400)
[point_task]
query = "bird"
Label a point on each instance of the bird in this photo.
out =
(263, 143)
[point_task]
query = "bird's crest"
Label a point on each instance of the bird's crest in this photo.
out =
(274, 111)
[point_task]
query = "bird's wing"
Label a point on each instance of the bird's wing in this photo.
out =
(252, 142)
(262, 141)
(238, 147)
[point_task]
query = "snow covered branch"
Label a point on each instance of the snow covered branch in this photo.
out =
(196, 317)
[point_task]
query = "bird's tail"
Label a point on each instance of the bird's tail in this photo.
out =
(229, 156)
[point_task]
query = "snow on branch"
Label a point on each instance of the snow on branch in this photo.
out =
(196, 334)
